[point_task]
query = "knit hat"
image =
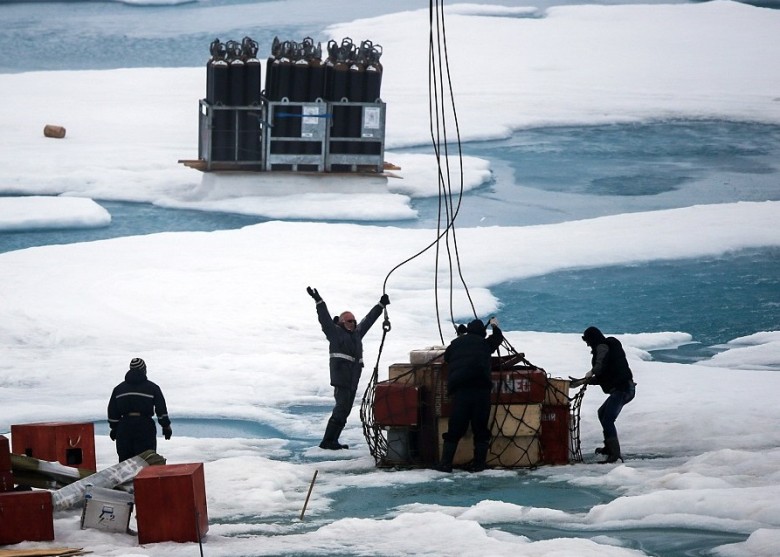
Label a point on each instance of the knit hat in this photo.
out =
(137, 364)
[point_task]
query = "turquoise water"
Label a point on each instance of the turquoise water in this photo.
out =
(715, 299)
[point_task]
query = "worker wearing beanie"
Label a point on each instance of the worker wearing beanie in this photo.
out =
(130, 409)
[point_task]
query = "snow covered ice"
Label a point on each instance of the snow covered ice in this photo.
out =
(227, 330)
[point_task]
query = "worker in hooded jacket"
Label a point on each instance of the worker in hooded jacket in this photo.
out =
(469, 384)
(609, 370)
(130, 409)
(345, 338)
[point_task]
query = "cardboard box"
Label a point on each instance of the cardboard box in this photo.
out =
(402, 373)
(515, 420)
(396, 404)
(557, 393)
(106, 509)
(514, 452)
(465, 451)
(170, 503)
(427, 356)
(71, 444)
(26, 516)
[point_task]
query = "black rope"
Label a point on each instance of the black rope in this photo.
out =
(438, 74)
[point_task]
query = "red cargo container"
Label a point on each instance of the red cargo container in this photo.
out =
(556, 435)
(396, 404)
(26, 516)
(6, 474)
(170, 503)
(71, 444)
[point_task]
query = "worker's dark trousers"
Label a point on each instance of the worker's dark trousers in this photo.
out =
(610, 410)
(134, 435)
(469, 406)
(345, 398)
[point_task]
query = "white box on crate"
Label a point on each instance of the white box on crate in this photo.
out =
(106, 509)
(426, 355)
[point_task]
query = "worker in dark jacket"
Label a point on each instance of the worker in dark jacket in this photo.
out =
(610, 370)
(469, 385)
(345, 336)
(130, 409)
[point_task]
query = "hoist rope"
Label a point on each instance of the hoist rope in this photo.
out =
(512, 421)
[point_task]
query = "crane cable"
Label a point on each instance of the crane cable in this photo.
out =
(448, 209)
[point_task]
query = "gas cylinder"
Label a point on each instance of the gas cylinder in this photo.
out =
(355, 82)
(338, 89)
(249, 148)
(276, 46)
(316, 76)
(216, 78)
(372, 88)
(217, 94)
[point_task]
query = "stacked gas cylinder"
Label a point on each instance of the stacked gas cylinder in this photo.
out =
(295, 73)
(233, 79)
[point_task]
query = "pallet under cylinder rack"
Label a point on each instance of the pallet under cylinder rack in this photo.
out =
(531, 419)
(312, 115)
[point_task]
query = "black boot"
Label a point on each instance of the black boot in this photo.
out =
(612, 450)
(447, 454)
(480, 457)
(330, 439)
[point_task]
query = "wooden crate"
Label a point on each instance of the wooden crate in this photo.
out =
(170, 503)
(26, 516)
(71, 444)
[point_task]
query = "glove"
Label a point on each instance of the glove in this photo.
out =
(314, 294)
(384, 300)
(112, 434)
(167, 432)
(577, 382)
(493, 322)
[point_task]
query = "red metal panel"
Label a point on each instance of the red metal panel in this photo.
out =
(519, 385)
(396, 404)
(555, 435)
(6, 474)
(170, 503)
(26, 516)
(71, 444)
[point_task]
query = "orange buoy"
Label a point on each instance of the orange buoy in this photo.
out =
(54, 131)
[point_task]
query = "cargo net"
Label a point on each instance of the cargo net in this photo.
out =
(533, 421)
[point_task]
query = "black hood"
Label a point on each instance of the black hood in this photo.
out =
(593, 337)
(477, 327)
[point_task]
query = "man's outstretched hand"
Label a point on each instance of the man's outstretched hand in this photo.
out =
(314, 294)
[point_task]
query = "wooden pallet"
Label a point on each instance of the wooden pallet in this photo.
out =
(231, 167)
